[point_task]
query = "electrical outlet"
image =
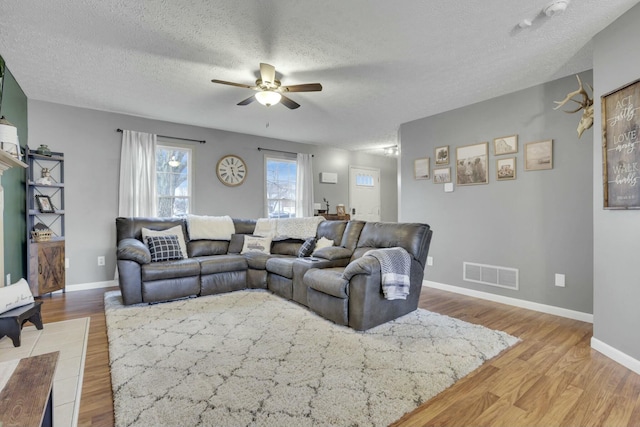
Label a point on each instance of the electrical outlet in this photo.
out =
(430, 260)
(560, 280)
(66, 263)
(101, 261)
(8, 279)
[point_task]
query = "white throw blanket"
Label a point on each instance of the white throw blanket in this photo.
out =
(288, 228)
(210, 227)
(395, 269)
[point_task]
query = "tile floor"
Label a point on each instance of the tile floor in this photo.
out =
(70, 339)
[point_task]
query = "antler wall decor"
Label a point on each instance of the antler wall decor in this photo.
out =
(586, 121)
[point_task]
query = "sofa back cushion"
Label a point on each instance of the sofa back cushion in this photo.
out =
(208, 247)
(286, 247)
(352, 234)
(413, 237)
(244, 226)
(132, 227)
(331, 230)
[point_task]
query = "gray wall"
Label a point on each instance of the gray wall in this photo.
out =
(616, 233)
(540, 223)
(92, 158)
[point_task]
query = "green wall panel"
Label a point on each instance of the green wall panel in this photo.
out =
(14, 108)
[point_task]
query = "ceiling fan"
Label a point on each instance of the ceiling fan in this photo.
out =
(270, 92)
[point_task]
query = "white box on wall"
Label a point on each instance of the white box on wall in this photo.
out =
(328, 178)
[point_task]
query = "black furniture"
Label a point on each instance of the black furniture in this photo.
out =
(11, 321)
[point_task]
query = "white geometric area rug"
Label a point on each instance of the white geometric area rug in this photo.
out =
(250, 358)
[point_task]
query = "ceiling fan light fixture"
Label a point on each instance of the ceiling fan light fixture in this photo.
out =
(268, 97)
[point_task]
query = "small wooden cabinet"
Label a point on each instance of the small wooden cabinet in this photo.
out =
(46, 267)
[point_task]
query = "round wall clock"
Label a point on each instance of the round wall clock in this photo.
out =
(231, 170)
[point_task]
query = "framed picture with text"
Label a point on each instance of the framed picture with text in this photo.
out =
(621, 147)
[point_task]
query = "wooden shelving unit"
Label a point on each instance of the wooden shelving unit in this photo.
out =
(45, 259)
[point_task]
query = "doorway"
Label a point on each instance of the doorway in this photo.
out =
(364, 193)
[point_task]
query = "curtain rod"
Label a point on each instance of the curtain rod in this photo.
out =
(278, 151)
(201, 141)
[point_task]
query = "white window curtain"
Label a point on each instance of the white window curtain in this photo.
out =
(137, 174)
(304, 185)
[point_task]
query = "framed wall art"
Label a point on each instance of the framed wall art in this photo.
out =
(506, 168)
(472, 164)
(620, 147)
(442, 155)
(44, 204)
(505, 145)
(441, 175)
(421, 168)
(538, 155)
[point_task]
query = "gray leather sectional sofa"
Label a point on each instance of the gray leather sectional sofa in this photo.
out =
(337, 283)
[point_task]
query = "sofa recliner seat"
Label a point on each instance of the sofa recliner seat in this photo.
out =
(353, 295)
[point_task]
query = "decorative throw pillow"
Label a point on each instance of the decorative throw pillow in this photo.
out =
(307, 247)
(256, 244)
(323, 243)
(173, 231)
(164, 248)
(14, 296)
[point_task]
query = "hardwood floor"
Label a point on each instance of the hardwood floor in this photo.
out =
(551, 378)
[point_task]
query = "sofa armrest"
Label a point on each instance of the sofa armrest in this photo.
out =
(133, 250)
(332, 253)
(365, 265)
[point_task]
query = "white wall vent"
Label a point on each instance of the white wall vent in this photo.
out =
(503, 277)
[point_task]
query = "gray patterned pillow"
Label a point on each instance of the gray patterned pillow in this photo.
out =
(164, 248)
(307, 247)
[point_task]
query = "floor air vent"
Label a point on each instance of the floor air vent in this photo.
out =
(492, 275)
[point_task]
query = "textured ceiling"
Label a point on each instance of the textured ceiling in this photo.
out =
(381, 63)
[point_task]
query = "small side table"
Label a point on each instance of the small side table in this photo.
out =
(11, 321)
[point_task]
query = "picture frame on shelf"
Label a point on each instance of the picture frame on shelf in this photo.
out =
(44, 204)
(472, 164)
(505, 145)
(421, 168)
(442, 155)
(538, 155)
(441, 175)
(340, 210)
(621, 147)
(506, 168)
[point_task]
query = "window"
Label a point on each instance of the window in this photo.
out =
(173, 175)
(280, 192)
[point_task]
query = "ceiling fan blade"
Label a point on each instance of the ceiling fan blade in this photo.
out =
(247, 101)
(267, 73)
(308, 87)
(232, 84)
(289, 103)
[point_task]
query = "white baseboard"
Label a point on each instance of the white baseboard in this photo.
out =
(85, 286)
(543, 308)
(616, 355)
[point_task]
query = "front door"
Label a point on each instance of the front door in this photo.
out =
(364, 193)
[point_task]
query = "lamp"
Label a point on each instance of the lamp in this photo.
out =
(391, 151)
(9, 138)
(268, 97)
